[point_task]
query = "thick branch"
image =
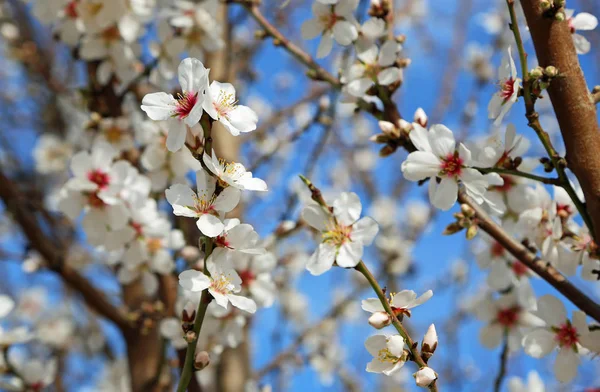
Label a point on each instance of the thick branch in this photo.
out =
(16, 203)
(573, 104)
(539, 266)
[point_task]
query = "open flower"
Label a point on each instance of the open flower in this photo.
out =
(401, 302)
(437, 157)
(222, 283)
(183, 111)
(388, 354)
(375, 68)
(343, 234)
(332, 22)
(560, 332)
(233, 174)
(581, 21)
(221, 105)
(204, 205)
(239, 237)
(510, 84)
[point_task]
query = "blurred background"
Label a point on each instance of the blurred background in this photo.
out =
(312, 336)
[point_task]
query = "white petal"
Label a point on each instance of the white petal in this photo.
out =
(193, 280)
(210, 225)
(565, 367)
(349, 254)
(158, 106)
(444, 194)
(347, 208)
(242, 303)
(539, 343)
(365, 230)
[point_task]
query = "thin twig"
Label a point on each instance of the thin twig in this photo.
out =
(502, 369)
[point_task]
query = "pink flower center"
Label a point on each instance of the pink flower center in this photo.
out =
(330, 20)
(507, 89)
(221, 241)
(38, 386)
(138, 229)
(401, 311)
(95, 201)
(508, 317)
(571, 27)
(71, 10)
(566, 335)
(247, 277)
(497, 250)
(185, 104)
(508, 184)
(519, 268)
(99, 178)
(563, 210)
(452, 165)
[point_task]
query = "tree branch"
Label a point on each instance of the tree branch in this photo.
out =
(573, 104)
(539, 266)
(55, 256)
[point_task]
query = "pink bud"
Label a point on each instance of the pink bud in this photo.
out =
(379, 320)
(425, 376)
(420, 117)
(430, 340)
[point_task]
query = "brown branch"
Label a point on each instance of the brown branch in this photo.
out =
(539, 266)
(55, 256)
(596, 94)
(574, 106)
(319, 73)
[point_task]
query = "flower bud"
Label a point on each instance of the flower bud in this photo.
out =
(388, 128)
(190, 336)
(404, 125)
(551, 71)
(467, 210)
(420, 117)
(537, 72)
(560, 16)
(430, 340)
(201, 360)
(425, 376)
(545, 5)
(471, 232)
(560, 3)
(190, 253)
(379, 320)
(189, 312)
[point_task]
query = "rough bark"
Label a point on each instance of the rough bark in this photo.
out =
(573, 104)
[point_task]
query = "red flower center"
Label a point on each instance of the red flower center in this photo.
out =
(138, 228)
(508, 317)
(95, 201)
(99, 178)
(571, 27)
(452, 165)
(497, 250)
(563, 210)
(185, 104)
(508, 184)
(221, 241)
(508, 89)
(519, 268)
(247, 277)
(71, 10)
(566, 335)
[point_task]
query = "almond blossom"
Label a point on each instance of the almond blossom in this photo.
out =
(233, 174)
(507, 315)
(510, 84)
(239, 237)
(582, 21)
(221, 105)
(343, 234)
(438, 158)
(570, 337)
(375, 68)
(205, 205)
(185, 110)
(388, 353)
(332, 22)
(223, 282)
(401, 304)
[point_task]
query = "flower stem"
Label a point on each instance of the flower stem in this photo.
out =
(188, 366)
(517, 173)
(415, 355)
(534, 122)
